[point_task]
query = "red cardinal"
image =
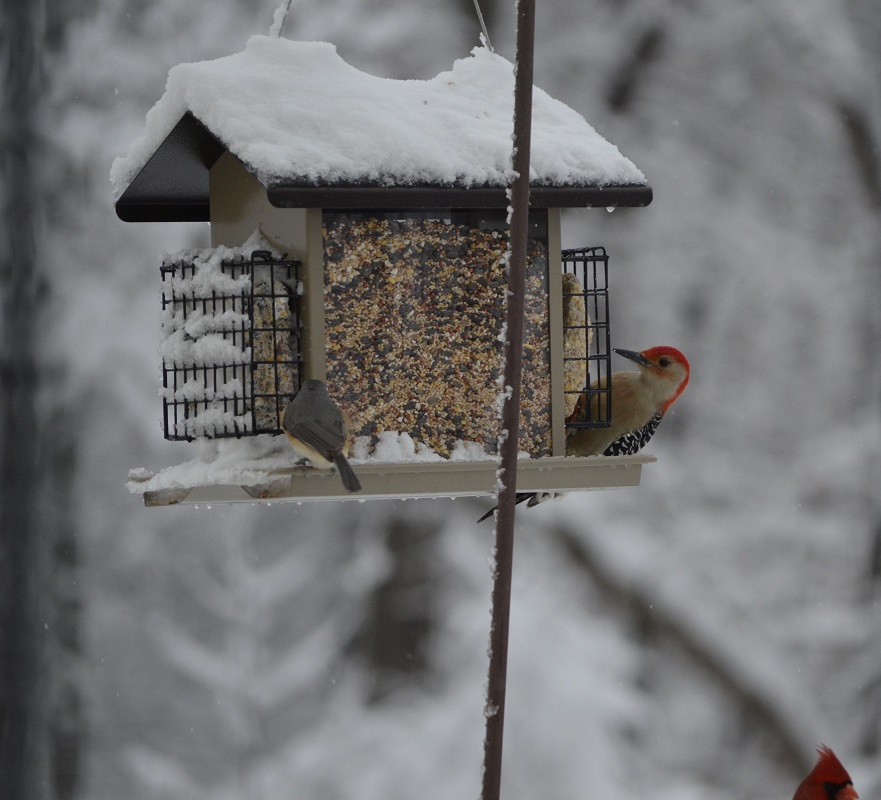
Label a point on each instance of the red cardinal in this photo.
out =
(828, 780)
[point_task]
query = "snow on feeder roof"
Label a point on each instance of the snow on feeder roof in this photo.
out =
(317, 132)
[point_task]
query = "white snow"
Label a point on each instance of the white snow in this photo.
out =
(211, 421)
(395, 446)
(196, 389)
(248, 461)
(295, 111)
(208, 350)
(278, 19)
(235, 462)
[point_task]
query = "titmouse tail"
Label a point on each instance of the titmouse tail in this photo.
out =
(347, 475)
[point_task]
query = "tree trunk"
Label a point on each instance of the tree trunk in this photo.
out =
(20, 734)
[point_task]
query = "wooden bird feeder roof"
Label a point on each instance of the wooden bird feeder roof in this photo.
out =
(318, 133)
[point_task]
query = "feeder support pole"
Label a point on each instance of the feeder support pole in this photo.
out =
(504, 535)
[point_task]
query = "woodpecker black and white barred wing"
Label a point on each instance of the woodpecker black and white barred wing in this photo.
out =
(633, 442)
(625, 445)
(530, 498)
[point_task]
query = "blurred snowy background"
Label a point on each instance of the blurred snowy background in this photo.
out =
(693, 638)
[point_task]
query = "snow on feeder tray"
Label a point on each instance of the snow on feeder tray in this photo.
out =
(358, 236)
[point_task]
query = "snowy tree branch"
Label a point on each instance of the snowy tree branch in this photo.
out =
(741, 664)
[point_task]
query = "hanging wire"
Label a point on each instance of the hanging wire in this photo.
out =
(280, 17)
(482, 26)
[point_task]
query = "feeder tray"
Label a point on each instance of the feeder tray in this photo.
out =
(408, 480)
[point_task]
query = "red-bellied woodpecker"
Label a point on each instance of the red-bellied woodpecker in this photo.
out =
(639, 402)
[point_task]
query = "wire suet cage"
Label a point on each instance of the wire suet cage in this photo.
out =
(587, 338)
(230, 344)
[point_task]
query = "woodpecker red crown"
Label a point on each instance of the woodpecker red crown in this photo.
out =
(661, 358)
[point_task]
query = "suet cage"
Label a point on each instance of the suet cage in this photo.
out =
(230, 344)
(587, 360)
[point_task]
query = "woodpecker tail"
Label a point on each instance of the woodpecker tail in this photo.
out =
(631, 443)
(520, 497)
(346, 473)
(488, 514)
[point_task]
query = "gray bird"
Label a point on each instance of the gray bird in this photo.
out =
(317, 430)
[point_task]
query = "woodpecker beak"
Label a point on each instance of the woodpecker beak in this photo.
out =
(637, 358)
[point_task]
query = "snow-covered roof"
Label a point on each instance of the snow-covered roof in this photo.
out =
(295, 113)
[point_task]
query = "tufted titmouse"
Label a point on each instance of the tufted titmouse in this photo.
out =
(317, 430)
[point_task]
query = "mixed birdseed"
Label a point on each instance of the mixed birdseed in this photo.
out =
(414, 321)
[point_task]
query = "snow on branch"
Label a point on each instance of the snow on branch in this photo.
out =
(736, 656)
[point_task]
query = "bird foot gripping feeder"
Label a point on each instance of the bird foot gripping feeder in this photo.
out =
(359, 237)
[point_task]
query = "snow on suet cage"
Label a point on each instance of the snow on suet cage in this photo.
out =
(359, 236)
(229, 342)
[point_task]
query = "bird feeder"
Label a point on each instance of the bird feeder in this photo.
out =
(359, 236)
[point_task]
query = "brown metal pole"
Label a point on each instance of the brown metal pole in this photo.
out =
(504, 540)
